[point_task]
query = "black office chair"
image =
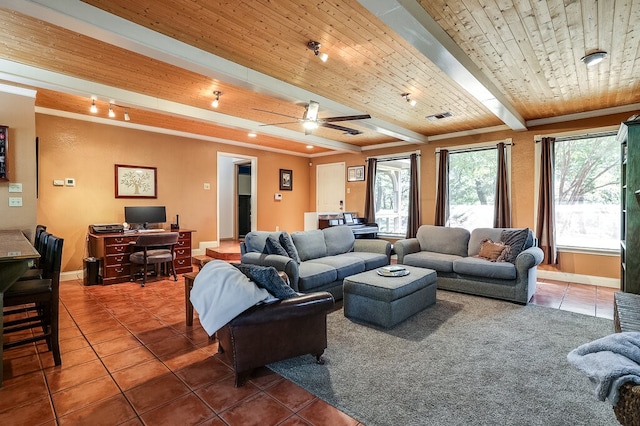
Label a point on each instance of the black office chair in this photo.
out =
(157, 249)
(38, 302)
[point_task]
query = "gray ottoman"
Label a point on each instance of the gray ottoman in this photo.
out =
(387, 301)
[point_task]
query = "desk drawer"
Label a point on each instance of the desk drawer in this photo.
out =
(117, 259)
(182, 253)
(116, 271)
(118, 249)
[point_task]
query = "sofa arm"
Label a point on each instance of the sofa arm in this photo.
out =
(529, 258)
(405, 247)
(294, 307)
(373, 246)
(281, 263)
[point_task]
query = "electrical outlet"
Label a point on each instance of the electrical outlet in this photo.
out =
(207, 186)
(15, 201)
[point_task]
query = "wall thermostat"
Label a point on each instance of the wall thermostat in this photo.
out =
(70, 182)
(277, 197)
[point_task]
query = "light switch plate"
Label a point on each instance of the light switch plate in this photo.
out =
(15, 201)
(58, 182)
(15, 187)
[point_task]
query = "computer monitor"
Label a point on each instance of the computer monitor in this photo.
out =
(145, 215)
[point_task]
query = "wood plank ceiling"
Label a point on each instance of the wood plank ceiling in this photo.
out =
(489, 63)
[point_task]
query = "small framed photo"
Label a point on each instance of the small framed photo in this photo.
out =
(355, 173)
(136, 182)
(286, 180)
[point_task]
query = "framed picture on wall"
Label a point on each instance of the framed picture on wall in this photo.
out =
(286, 180)
(355, 173)
(136, 182)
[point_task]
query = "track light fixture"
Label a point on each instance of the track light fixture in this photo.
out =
(112, 114)
(94, 108)
(216, 101)
(407, 97)
(126, 116)
(590, 59)
(315, 46)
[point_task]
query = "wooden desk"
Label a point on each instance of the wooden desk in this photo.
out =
(15, 254)
(114, 249)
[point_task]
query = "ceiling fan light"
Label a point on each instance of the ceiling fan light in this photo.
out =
(594, 58)
(310, 125)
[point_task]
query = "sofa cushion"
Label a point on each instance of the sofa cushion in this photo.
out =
(494, 252)
(273, 246)
(309, 244)
(484, 268)
(371, 260)
(338, 239)
(255, 241)
(478, 235)
(439, 262)
(267, 277)
(442, 239)
(313, 275)
(290, 248)
(343, 264)
(517, 240)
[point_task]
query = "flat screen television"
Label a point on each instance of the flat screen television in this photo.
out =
(145, 215)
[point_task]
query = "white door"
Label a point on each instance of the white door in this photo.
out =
(330, 184)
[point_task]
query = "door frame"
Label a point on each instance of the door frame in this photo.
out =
(254, 190)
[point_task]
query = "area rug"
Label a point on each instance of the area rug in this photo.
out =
(465, 360)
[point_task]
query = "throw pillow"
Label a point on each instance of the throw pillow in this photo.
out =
(495, 252)
(287, 243)
(221, 292)
(516, 239)
(272, 246)
(267, 277)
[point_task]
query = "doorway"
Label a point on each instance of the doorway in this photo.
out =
(236, 175)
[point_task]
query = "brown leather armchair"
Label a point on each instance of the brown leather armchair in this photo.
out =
(269, 333)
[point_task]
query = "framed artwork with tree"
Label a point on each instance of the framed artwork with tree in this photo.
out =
(136, 181)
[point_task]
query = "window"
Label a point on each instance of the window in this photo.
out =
(392, 195)
(472, 187)
(587, 191)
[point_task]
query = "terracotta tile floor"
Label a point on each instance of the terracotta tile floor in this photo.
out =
(128, 358)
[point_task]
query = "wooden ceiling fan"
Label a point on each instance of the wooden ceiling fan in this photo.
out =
(310, 120)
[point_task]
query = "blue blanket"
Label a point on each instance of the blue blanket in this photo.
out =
(609, 362)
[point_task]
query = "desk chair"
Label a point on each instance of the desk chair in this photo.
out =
(39, 296)
(156, 249)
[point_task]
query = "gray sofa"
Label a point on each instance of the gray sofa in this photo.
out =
(451, 252)
(326, 257)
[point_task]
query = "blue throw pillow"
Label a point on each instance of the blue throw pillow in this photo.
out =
(287, 243)
(267, 277)
(272, 246)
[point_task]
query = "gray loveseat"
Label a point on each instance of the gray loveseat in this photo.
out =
(452, 252)
(326, 257)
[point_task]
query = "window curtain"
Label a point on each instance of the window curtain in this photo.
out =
(502, 210)
(369, 198)
(413, 221)
(442, 189)
(545, 230)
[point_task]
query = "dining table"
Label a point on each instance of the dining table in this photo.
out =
(16, 252)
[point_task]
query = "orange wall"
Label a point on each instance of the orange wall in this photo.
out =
(88, 151)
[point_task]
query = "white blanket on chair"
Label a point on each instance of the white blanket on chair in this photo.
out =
(609, 362)
(221, 292)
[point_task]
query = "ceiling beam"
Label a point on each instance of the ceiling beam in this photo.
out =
(409, 19)
(85, 19)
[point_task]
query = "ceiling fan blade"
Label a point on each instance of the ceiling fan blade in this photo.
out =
(278, 124)
(276, 113)
(345, 118)
(347, 130)
(311, 114)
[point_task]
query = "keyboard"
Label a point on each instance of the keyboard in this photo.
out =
(146, 231)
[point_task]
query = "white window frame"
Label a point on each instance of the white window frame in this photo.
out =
(387, 157)
(470, 147)
(537, 152)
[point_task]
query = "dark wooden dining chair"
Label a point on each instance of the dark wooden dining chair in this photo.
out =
(35, 304)
(40, 244)
(154, 249)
